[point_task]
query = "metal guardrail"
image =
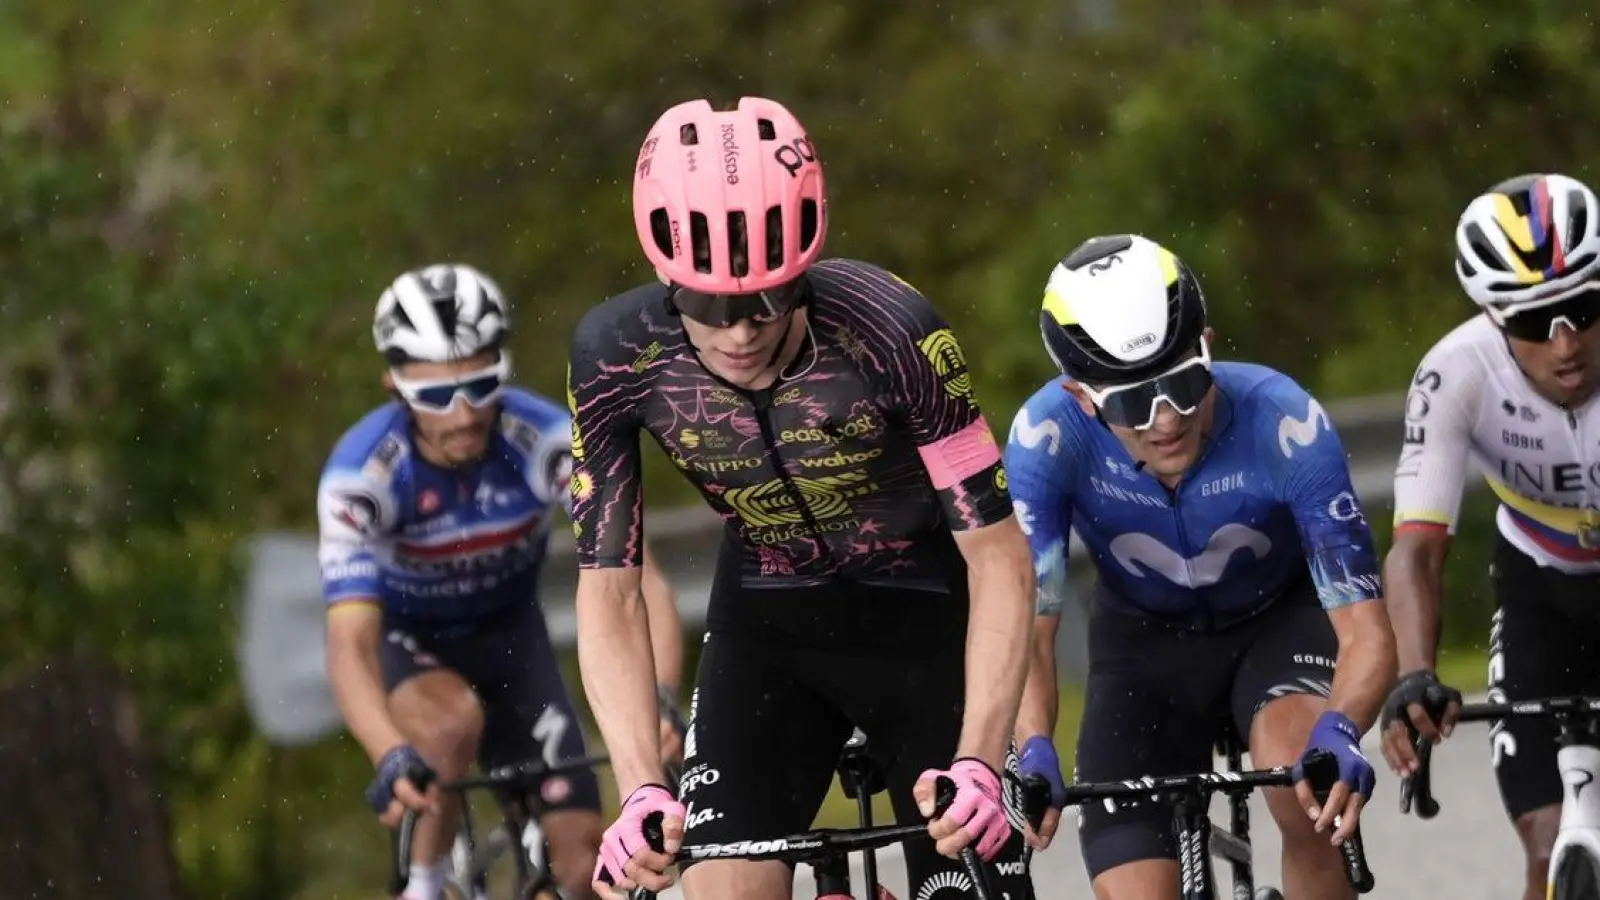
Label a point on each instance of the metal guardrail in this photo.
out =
(281, 637)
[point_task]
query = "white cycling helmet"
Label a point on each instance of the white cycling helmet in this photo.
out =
(440, 314)
(1528, 241)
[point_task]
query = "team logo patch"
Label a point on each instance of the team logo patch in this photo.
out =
(428, 502)
(582, 486)
(357, 509)
(944, 354)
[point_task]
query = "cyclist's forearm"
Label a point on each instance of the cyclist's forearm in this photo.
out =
(616, 663)
(998, 629)
(1366, 663)
(356, 680)
(1041, 691)
(666, 625)
(1414, 585)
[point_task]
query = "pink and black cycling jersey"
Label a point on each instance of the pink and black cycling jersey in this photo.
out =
(857, 464)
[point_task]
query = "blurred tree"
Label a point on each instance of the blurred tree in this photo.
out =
(1310, 166)
(202, 200)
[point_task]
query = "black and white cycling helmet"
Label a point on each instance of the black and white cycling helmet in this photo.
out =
(440, 313)
(1528, 241)
(1120, 309)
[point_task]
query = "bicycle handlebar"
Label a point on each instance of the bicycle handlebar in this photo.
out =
(821, 843)
(1321, 769)
(527, 776)
(1416, 791)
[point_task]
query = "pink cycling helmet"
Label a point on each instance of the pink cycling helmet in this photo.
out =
(729, 202)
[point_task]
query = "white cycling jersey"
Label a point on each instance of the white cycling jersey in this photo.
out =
(1470, 400)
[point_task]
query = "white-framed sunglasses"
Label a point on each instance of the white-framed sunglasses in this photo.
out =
(1577, 308)
(1183, 387)
(438, 395)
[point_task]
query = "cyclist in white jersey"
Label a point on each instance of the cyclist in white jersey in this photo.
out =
(435, 512)
(1513, 391)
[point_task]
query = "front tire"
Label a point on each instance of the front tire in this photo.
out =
(1577, 876)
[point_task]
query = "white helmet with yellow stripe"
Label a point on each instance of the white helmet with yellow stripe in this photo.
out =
(1528, 241)
(1121, 309)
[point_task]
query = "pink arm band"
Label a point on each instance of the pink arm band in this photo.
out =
(960, 456)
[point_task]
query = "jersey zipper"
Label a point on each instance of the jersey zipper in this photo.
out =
(1184, 547)
(1175, 493)
(762, 401)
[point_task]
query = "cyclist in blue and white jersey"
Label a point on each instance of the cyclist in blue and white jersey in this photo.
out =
(435, 514)
(1235, 567)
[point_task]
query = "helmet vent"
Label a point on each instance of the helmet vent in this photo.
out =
(810, 217)
(738, 245)
(688, 135)
(661, 231)
(700, 241)
(774, 238)
(765, 130)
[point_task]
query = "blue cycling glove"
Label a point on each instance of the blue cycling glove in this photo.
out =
(1336, 735)
(1039, 758)
(393, 767)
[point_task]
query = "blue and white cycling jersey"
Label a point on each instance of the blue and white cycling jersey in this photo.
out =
(442, 545)
(1269, 496)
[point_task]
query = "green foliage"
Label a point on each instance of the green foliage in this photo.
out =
(201, 201)
(1310, 167)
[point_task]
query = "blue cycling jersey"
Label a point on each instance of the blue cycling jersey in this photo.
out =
(1269, 496)
(443, 545)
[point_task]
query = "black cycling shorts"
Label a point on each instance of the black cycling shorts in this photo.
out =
(785, 674)
(507, 659)
(1159, 698)
(1544, 641)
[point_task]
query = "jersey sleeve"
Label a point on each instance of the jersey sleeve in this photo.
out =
(355, 513)
(932, 388)
(1432, 472)
(1314, 482)
(1041, 494)
(606, 484)
(548, 449)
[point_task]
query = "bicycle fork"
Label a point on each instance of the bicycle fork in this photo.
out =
(1192, 825)
(1193, 830)
(833, 875)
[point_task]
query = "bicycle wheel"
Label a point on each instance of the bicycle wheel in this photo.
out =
(1577, 877)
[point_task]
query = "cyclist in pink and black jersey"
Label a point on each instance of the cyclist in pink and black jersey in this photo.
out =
(872, 573)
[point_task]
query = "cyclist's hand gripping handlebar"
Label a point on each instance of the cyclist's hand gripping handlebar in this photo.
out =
(1322, 771)
(420, 777)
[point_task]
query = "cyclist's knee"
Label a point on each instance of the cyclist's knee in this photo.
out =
(1281, 728)
(440, 714)
(1293, 823)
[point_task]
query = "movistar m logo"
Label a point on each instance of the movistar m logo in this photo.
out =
(1302, 431)
(1029, 435)
(1138, 552)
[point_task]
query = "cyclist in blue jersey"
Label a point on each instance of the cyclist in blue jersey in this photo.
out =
(1235, 568)
(434, 515)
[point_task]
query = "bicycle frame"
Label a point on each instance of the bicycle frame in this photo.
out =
(1191, 795)
(1575, 857)
(517, 789)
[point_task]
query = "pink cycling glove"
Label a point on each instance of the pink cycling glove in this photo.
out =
(978, 806)
(625, 837)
